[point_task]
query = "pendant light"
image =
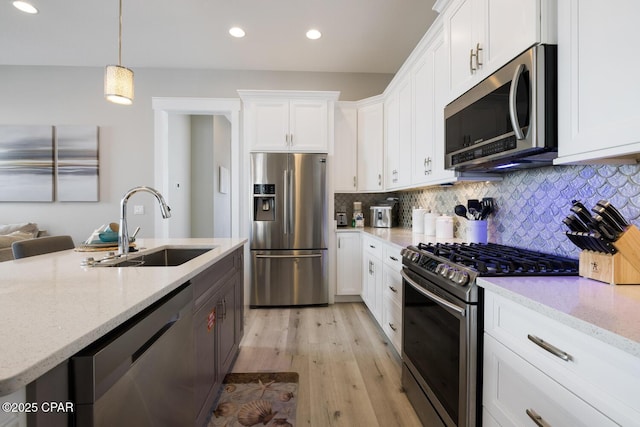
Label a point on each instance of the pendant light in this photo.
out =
(118, 80)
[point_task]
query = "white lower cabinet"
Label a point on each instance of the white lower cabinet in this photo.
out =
(348, 264)
(11, 417)
(535, 366)
(372, 276)
(382, 286)
(518, 394)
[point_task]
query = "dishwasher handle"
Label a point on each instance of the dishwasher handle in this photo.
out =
(99, 366)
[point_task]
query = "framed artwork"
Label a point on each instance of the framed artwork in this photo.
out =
(26, 163)
(77, 163)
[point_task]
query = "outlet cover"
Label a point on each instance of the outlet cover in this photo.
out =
(138, 210)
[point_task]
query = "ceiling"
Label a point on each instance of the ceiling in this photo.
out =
(373, 36)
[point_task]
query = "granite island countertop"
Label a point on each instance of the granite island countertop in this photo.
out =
(52, 307)
(606, 312)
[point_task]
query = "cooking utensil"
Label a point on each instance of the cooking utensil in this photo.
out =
(460, 210)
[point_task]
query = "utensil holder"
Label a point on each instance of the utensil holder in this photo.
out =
(477, 231)
(621, 268)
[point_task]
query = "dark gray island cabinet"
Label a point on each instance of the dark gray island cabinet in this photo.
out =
(165, 364)
(217, 328)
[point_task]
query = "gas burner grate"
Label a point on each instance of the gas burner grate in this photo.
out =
(491, 259)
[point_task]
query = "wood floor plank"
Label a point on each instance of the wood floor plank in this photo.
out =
(349, 371)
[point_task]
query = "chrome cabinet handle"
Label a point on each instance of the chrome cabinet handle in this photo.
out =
(379, 179)
(478, 49)
(354, 182)
(393, 258)
(372, 246)
(290, 139)
(393, 327)
(550, 348)
(540, 422)
(370, 267)
(513, 111)
(393, 289)
(339, 242)
(471, 56)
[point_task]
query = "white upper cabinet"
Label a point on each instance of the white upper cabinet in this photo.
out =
(345, 157)
(398, 134)
(288, 121)
(483, 35)
(371, 145)
(598, 86)
(429, 75)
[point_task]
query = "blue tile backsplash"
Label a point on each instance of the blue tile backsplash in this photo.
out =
(531, 204)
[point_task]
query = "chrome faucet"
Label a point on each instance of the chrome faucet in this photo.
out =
(123, 233)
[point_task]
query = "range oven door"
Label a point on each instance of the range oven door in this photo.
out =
(439, 348)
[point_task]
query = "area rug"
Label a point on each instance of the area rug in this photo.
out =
(257, 398)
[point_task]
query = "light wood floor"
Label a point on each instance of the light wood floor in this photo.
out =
(349, 372)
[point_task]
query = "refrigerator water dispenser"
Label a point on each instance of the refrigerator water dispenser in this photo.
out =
(264, 202)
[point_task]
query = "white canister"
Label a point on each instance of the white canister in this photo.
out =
(417, 221)
(430, 223)
(444, 227)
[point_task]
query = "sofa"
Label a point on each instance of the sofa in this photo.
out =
(10, 233)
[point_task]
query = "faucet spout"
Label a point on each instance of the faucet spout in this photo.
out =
(123, 233)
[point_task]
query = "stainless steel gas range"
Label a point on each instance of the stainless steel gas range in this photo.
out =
(442, 315)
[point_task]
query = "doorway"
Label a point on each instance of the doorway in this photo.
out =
(216, 189)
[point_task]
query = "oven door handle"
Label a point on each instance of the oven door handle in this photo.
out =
(432, 296)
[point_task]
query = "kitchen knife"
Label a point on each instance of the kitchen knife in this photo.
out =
(574, 223)
(615, 213)
(576, 240)
(605, 229)
(607, 218)
(586, 242)
(582, 214)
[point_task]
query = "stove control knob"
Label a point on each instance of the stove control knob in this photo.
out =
(463, 278)
(452, 273)
(444, 272)
(404, 252)
(415, 257)
(439, 268)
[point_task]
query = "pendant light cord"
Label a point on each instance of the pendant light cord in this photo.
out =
(120, 37)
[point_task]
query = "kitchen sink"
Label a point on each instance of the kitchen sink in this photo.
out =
(168, 257)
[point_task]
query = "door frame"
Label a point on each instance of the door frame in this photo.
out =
(228, 107)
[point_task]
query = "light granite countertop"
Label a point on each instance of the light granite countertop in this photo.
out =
(605, 312)
(52, 307)
(402, 237)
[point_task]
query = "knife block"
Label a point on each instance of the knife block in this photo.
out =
(621, 268)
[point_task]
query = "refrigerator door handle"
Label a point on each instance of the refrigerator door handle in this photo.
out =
(285, 187)
(290, 256)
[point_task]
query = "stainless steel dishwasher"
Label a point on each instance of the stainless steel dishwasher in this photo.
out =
(141, 374)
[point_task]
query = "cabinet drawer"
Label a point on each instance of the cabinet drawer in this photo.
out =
(372, 246)
(392, 257)
(392, 324)
(392, 284)
(604, 376)
(514, 391)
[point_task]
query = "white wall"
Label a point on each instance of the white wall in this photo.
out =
(179, 195)
(73, 95)
(202, 176)
(222, 157)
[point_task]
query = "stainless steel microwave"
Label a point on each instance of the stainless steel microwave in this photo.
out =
(509, 120)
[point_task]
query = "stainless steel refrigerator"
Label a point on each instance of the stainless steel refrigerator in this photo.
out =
(288, 236)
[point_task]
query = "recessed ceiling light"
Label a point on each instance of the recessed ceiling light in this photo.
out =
(314, 34)
(24, 6)
(237, 32)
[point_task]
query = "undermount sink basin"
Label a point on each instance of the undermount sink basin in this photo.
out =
(169, 257)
